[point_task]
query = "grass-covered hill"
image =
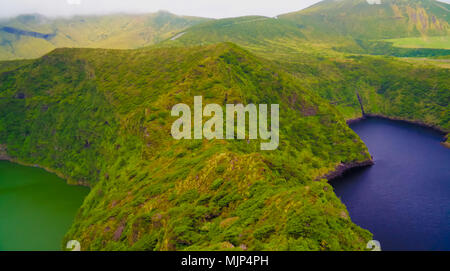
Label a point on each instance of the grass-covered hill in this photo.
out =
(102, 118)
(374, 19)
(249, 30)
(402, 28)
(391, 87)
(31, 36)
(388, 86)
(418, 28)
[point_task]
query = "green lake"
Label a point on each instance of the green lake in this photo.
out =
(36, 208)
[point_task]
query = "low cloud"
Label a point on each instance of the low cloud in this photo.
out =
(202, 8)
(374, 2)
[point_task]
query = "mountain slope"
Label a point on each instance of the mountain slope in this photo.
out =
(31, 36)
(362, 20)
(255, 30)
(388, 86)
(391, 87)
(108, 125)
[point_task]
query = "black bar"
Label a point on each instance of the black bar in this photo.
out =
(308, 261)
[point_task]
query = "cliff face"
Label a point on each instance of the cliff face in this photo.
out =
(447, 141)
(344, 167)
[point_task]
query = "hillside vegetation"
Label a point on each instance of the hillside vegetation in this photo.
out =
(249, 30)
(356, 26)
(387, 86)
(102, 118)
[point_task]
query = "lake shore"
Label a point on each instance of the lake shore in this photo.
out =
(441, 130)
(345, 167)
(37, 208)
(420, 123)
(396, 199)
(5, 157)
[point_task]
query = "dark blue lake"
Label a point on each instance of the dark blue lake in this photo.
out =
(404, 199)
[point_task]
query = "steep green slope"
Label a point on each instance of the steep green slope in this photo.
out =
(367, 26)
(267, 37)
(102, 117)
(31, 36)
(363, 20)
(402, 90)
(387, 86)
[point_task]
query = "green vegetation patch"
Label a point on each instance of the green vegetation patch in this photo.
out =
(101, 117)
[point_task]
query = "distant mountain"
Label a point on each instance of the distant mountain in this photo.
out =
(336, 21)
(387, 86)
(242, 30)
(31, 36)
(374, 19)
(414, 29)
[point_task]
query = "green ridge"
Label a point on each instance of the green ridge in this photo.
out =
(104, 121)
(389, 86)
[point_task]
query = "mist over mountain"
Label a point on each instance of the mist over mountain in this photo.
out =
(198, 8)
(31, 36)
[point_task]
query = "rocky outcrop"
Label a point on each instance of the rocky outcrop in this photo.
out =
(3, 154)
(344, 167)
(446, 143)
(350, 121)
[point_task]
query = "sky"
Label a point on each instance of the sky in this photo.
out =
(202, 8)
